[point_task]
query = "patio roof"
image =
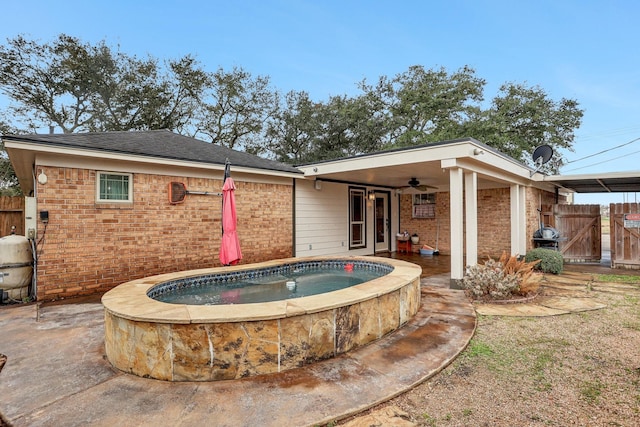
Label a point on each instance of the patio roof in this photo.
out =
(429, 164)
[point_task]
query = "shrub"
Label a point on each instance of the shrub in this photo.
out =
(500, 279)
(550, 261)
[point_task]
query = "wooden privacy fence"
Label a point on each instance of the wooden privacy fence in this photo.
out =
(579, 227)
(11, 214)
(625, 235)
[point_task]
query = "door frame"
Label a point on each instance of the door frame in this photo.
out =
(385, 245)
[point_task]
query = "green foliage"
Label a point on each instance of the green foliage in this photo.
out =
(82, 87)
(79, 87)
(618, 278)
(235, 108)
(522, 118)
(422, 106)
(590, 391)
(8, 180)
(477, 348)
(306, 131)
(550, 261)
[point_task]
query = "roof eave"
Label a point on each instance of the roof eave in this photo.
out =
(20, 147)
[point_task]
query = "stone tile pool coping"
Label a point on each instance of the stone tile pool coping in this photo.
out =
(131, 301)
(181, 342)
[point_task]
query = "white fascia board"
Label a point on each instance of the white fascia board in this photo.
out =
(491, 165)
(392, 158)
(111, 165)
(51, 154)
(502, 170)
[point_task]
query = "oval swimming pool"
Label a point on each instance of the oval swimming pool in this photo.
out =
(293, 280)
(186, 342)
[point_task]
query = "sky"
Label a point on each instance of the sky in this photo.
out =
(576, 49)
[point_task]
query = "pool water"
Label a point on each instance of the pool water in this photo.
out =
(275, 287)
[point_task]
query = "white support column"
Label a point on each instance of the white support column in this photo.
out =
(518, 220)
(523, 221)
(457, 223)
(471, 217)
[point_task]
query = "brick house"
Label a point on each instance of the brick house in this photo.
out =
(92, 243)
(478, 202)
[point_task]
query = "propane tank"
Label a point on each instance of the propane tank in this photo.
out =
(16, 266)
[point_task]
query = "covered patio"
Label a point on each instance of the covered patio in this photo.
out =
(458, 169)
(432, 265)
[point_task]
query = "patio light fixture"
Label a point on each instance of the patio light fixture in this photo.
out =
(372, 195)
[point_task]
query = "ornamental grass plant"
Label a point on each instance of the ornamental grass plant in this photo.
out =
(508, 277)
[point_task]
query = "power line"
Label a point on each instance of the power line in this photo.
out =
(604, 161)
(609, 133)
(602, 152)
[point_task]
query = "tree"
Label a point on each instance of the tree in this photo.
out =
(290, 132)
(236, 109)
(423, 106)
(304, 131)
(522, 118)
(8, 180)
(80, 87)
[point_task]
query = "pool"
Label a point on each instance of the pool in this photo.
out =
(185, 342)
(292, 280)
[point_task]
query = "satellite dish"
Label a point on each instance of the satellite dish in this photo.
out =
(541, 155)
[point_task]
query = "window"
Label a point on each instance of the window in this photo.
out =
(424, 205)
(357, 212)
(114, 187)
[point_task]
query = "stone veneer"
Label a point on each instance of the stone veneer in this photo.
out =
(178, 342)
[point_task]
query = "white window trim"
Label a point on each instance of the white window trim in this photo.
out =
(362, 223)
(98, 179)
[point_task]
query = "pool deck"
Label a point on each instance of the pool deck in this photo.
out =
(57, 374)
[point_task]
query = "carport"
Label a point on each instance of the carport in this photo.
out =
(613, 182)
(624, 241)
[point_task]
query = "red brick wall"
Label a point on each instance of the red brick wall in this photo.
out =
(494, 220)
(90, 248)
(427, 228)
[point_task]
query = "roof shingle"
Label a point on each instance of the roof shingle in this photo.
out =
(156, 143)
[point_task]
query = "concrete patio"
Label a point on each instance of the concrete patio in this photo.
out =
(56, 372)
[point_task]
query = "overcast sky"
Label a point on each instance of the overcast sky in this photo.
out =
(580, 49)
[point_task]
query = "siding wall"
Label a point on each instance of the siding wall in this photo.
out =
(90, 248)
(322, 220)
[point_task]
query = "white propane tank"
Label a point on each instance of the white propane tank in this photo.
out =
(15, 266)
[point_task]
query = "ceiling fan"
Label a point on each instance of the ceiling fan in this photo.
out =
(415, 184)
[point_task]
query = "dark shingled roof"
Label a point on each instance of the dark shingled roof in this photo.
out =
(156, 143)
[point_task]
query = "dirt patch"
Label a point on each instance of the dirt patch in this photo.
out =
(574, 369)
